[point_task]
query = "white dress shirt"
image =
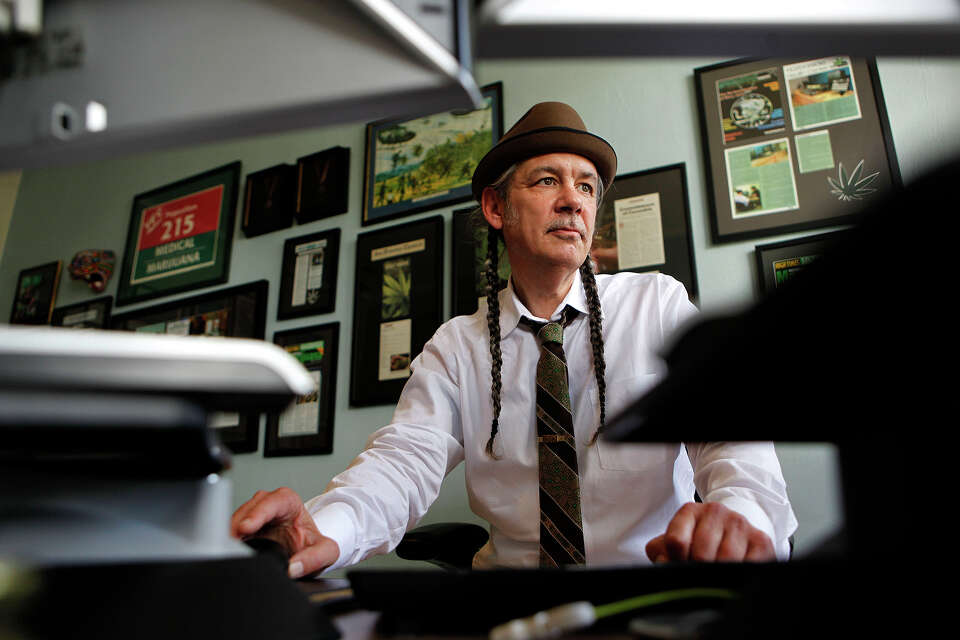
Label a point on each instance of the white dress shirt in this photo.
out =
(629, 492)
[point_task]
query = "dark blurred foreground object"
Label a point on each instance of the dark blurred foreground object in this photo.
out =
(855, 351)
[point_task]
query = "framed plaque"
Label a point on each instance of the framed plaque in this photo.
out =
(778, 262)
(180, 236)
(308, 280)
(237, 312)
(417, 164)
(306, 426)
(322, 184)
(92, 314)
(269, 200)
(793, 144)
(469, 256)
(397, 306)
(35, 294)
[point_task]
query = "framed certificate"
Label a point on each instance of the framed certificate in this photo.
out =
(92, 314)
(308, 280)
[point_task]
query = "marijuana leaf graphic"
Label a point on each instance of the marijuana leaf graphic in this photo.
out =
(852, 187)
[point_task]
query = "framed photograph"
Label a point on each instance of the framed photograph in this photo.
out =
(416, 164)
(644, 225)
(308, 280)
(236, 312)
(180, 236)
(779, 261)
(306, 426)
(791, 145)
(35, 294)
(92, 314)
(397, 306)
(322, 184)
(469, 255)
(269, 200)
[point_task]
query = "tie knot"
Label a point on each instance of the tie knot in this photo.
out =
(552, 331)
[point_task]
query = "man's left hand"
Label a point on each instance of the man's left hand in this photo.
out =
(710, 532)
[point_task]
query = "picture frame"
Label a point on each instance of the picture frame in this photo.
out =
(323, 180)
(36, 293)
(90, 314)
(793, 144)
(236, 312)
(180, 236)
(306, 427)
(643, 225)
(469, 251)
(414, 164)
(269, 200)
(308, 277)
(777, 262)
(397, 307)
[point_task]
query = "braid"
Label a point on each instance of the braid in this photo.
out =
(596, 340)
(493, 325)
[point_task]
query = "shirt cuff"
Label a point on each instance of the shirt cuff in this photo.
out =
(336, 521)
(757, 517)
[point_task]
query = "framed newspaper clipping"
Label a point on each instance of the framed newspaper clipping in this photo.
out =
(308, 279)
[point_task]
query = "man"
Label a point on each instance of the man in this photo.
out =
(539, 189)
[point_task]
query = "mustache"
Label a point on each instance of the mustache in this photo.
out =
(568, 223)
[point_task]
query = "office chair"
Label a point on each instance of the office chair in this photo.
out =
(449, 545)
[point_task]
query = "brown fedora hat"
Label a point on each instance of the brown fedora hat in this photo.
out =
(548, 127)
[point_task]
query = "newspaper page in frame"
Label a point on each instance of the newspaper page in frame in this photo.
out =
(302, 418)
(308, 272)
(822, 92)
(750, 105)
(760, 178)
(639, 231)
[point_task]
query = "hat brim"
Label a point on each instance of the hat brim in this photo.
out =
(541, 142)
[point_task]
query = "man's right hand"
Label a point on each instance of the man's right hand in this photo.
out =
(280, 516)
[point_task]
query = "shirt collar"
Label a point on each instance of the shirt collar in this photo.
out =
(511, 309)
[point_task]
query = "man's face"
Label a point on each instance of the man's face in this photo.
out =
(549, 217)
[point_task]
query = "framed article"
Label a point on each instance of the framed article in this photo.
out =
(35, 294)
(397, 306)
(416, 164)
(322, 184)
(469, 255)
(180, 236)
(308, 280)
(791, 145)
(237, 312)
(306, 426)
(644, 225)
(780, 261)
(92, 314)
(268, 200)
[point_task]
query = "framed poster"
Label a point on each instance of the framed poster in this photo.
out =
(268, 200)
(92, 314)
(416, 164)
(306, 426)
(237, 312)
(791, 145)
(180, 236)
(35, 294)
(397, 306)
(469, 255)
(779, 261)
(644, 225)
(308, 279)
(322, 184)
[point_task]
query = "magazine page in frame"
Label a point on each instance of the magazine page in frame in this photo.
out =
(308, 279)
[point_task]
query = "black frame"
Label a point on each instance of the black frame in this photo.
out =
(425, 299)
(865, 138)
(801, 249)
(326, 297)
(247, 322)
(322, 441)
(372, 214)
(100, 306)
(322, 193)
(269, 200)
(469, 254)
(49, 283)
(129, 290)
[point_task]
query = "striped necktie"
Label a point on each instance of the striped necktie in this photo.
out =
(561, 526)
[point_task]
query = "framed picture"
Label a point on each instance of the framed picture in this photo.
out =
(416, 164)
(180, 236)
(36, 293)
(397, 306)
(779, 261)
(644, 225)
(306, 426)
(308, 280)
(469, 255)
(237, 312)
(791, 145)
(322, 184)
(269, 200)
(92, 314)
